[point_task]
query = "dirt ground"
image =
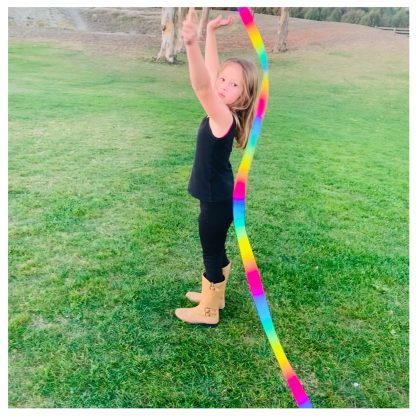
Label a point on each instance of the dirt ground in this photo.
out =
(136, 32)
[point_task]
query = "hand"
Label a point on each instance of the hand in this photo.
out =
(189, 27)
(219, 21)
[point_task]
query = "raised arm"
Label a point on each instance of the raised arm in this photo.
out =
(218, 112)
(212, 61)
(198, 72)
(211, 54)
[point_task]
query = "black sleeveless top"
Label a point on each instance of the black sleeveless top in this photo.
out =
(212, 178)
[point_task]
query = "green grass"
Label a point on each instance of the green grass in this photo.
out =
(103, 237)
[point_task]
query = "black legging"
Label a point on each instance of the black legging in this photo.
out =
(214, 221)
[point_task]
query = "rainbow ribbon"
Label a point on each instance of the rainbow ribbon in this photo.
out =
(239, 195)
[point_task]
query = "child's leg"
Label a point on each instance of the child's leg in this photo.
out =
(214, 221)
(225, 260)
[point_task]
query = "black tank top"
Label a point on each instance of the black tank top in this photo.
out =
(212, 178)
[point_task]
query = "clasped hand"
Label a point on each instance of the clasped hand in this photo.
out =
(189, 27)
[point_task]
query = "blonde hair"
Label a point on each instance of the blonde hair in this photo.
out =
(244, 108)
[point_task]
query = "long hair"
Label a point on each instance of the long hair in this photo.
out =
(244, 108)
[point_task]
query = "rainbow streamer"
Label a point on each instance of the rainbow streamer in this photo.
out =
(239, 195)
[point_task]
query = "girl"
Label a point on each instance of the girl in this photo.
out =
(228, 94)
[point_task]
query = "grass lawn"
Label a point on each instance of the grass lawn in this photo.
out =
(103, 236)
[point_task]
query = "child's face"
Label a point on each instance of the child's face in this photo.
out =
(229, 83)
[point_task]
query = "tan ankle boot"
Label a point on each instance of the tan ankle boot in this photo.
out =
(196, 296)
(207, 312)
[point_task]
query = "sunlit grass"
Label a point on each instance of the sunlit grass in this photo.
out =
(103, 237)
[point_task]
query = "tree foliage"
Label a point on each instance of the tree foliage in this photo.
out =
(368, 16)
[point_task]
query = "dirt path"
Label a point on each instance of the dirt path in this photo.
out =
(78, 21)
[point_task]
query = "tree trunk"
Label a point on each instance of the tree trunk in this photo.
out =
(202, 26)
(282, 31)
(183, 11)
(171, 38)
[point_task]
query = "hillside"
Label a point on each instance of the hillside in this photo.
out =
(136, 31)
